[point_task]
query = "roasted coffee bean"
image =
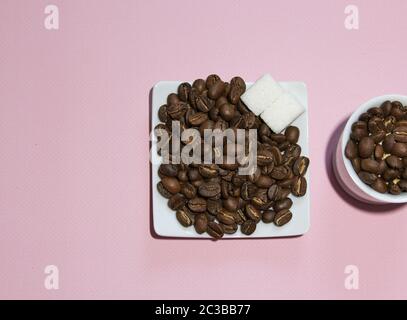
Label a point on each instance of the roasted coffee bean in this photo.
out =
(201, 223)
(177, 110)
(209, 170)
(403, 185)
(176, 201)
(378, 136)
(240, 217)
(282, 194)
(229, 228)
(199, 85)
(225, 216)
(169, 170)
(188, 190)
(300, 166)
(394, 162)
(359, 130)
(215, 230)
(211, 79)
(203, 103)
(227, 111)
(197, 118)
(370, 165)
(386, 107)
(351, 150)
(213, 206)
(379, 185)
(388, 143)
(382, 167)
(299, 187)
(264, 157)
(260, 199)
(264, 182)
(394, 188)
(356, 164)
(172, 99)
(162, 113)
(292, 134)
(378, 152)
(367, 177)
(390, 174)
(216, 89)
(231, 203)
(400, 134)
(283, 204)
(184, 217)
(248, 227)
(366, 147)
(279, 173)
(171, 184)
(253, 213)
(273, 192)
(282, 217)
(399, 149)
(183, 91)
(197, 204)
(237, 88)
(268, 216)
(164, 192)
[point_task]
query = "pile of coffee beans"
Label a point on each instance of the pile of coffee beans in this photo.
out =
(214, 198)
(377, 147)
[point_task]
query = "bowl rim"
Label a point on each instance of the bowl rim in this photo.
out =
(374, 102)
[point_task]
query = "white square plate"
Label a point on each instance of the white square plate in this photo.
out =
(164, 221)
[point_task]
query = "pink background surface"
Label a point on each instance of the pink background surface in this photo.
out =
(74, 170)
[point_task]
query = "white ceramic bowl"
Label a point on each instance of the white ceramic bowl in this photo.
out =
(344, 171)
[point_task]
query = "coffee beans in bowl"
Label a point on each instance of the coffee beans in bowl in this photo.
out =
(377, 148)
(218, 197)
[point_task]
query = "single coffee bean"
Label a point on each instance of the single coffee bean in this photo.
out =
(299, 187)
(247, 191)
(378, 136)
(273, 192)
(382, 167)
(300, 166)
(399, 149)
(197, 204)
(279, 172)
(248, 227)
(208, 170)
(231, 203)
(240, 217)
(260, 199)
(282, 217)
(198, 118)
(229, 228)
(351, 150)
(183, 91)
(237, 88)
(213, 206)
(164, 192)
(169, 170)
(199, 85)
(378, 152)
(188, 190)
(172, 99)
(386, 107)
(225, 216)
(171, 184)
(292, 134)
(211, 79)
(367, 177)
(400, 134)
(283, 204)
(403, 185)
(282, 194)
(379, 185)
(264, 182)
(216, 89)
(215, 230)
(252, 213)
(227, 111)
(366, 147)
(203, 103)
(176, 201)
(177, 110)
(162, 113)
(264, 157)
(184, 217)
(370, 165)
(201, 223)
(390, 174)
(394, 188)
(356, 164)
(268, 216)
(388, 143)
(394, 162)
(209, 189)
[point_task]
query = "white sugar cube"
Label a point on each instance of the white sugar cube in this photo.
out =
(262, 94)
(282, 112)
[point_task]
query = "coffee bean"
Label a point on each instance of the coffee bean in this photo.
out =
(215, 230)
(260, 199)
(225, 216)
(183, 91)
(351, 150)
(264, 157)
(229, 228)
(356, 164)
(403, 185)
(273, 192)
(198, 118)
(164, 192)
(188, 190)
(231, 203)
(162, 113)
(177, 110)
(264, 181)
(394, 188)
(390, 174)
(292, 134)
(248, 227)
(184, 217)
(201, 223)
(379, 185)
(197, 204)
(282, 217)
(367, 177)
(216, 89)
(169, 170)
(213, 206)
(203, 103)
(176, 201)
(300, 166)
(400, 134)
(172, 99)
(388, 143)
(268, 216)
(209, 189)
(399, 149)
(227, 111)
(370, 165)
(378, 152)
(299, 187)
(211, 79)
(279, 173)
(171, 184)
(366, 147)
(282, 194)
(394, 162)
(252, 213)
(237, 88)
(282, 204)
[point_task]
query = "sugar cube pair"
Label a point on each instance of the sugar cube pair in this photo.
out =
(275, 106)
